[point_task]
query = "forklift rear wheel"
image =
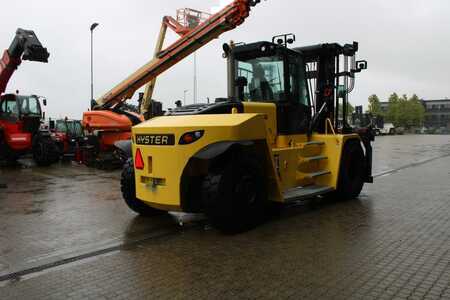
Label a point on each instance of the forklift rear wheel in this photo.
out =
(234, 195)
(352, 170)
(128, 188)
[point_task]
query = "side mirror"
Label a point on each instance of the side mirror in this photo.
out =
(361, 65)
(51, 125)
(241, 82)
(44, 101)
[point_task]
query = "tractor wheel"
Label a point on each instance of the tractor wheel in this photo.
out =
(234, 196)
(352, 170)
(128, 188)
(6, 153)
(44, 151)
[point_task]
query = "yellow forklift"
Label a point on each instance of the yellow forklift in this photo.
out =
(278, 137)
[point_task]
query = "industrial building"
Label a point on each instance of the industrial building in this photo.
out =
(437, 113)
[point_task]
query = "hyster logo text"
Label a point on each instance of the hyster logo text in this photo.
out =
(155, 139)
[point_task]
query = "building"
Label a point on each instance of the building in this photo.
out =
(437, 112)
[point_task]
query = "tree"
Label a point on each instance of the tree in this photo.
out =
(416, 111)
(393, 111)
(374, 105)
(405, 112)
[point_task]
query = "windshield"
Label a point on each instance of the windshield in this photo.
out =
(265, 78)
(75, 128)
(29, 105)
(9, 107)
(61, 126)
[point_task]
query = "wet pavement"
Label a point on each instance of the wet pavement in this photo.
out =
(65, 233)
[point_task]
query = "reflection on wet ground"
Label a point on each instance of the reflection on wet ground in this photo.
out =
(386, 243)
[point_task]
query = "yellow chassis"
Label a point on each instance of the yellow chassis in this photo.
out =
(288, 158)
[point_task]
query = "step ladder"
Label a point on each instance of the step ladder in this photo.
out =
(306, 192)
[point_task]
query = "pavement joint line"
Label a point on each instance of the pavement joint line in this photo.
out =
(422, 162)
(157, 234)
(16, 276)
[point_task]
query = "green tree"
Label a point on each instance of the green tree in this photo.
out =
(416, 111)
(393, 111)
(405, 112)
(374, 105)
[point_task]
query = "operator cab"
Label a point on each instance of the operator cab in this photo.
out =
(15, 108)
(270, 72)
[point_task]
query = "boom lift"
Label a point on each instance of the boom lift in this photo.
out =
(108, 121)
(20, 116)
(278, 137)
(187, 20)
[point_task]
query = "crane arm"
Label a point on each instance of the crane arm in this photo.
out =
(227, 19)
(25, 46)
(148, 93)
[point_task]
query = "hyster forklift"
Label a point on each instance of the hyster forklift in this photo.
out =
(278, 137)
(20, 116)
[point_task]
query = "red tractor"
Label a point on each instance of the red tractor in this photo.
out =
(67, 135)
(21, 116)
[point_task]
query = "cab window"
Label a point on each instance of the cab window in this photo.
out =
(61, 127)
(29, 105)
(9, 107)
(297, 81)
(265, 78)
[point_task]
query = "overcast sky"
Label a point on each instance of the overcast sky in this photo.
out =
(406, 43)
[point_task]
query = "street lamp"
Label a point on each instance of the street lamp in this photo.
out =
(93, 26)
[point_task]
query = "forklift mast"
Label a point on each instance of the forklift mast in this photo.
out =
(25, 46)
(331, 70)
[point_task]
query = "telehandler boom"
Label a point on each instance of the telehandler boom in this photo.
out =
(20, 116)
(108, 121)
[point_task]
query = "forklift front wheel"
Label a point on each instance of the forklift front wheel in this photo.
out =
(234, 196)
(352, 170)
(128, 188)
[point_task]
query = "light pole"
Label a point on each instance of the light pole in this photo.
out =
(93, 26)
(184, 96)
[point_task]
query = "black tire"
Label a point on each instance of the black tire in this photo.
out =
(6, 153)
(128, 188)
(45, 151)
(352, 170)
(234, 196)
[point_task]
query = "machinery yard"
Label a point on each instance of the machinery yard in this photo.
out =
(78, 239)
(279, 173)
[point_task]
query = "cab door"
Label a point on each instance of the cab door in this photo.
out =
(294, 114)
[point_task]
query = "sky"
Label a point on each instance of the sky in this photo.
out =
(405, 42)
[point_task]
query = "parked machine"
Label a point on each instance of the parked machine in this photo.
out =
(67, 135)
(109, 121)
(21, 116)
(276, 138)
(367, 120)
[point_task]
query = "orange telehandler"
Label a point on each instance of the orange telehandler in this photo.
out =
(107, 123)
